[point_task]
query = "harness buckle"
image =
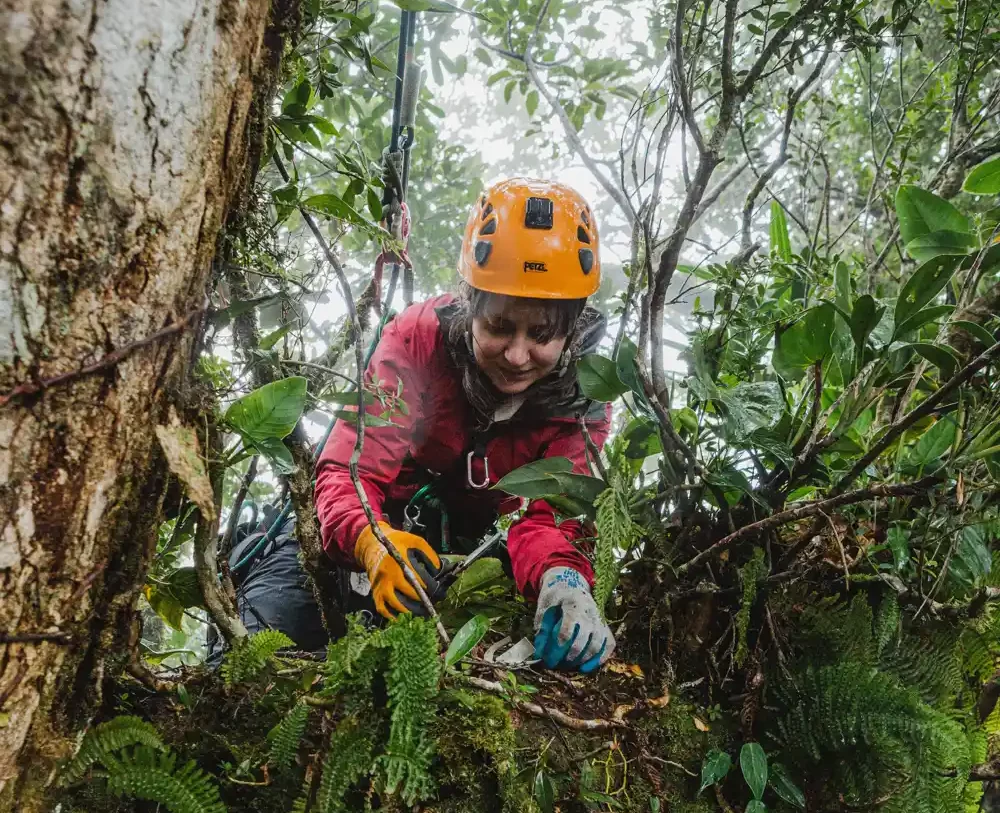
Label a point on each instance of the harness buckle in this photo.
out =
(468, 471)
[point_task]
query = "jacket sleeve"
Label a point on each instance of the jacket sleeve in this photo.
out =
(340, 513)
(535, 543)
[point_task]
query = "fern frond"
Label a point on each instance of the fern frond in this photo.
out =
(144, 773)
(412, 684)
(877, 737)
(103, 740)
(247, 658)
(348, 758)
(286, 735)
(616, 531)
(351, 660)
(886, 623)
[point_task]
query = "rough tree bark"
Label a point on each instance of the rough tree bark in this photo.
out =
(125, 132)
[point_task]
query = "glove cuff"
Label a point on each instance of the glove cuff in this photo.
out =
(565, 578)
(368, 551)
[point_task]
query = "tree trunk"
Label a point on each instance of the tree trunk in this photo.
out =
(125, 133)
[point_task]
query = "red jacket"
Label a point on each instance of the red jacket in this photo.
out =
(436, 435)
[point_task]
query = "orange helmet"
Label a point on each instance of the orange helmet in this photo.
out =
(531, 238)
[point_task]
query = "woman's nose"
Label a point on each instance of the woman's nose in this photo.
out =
(517, 353)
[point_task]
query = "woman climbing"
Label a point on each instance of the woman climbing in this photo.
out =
(487, 384)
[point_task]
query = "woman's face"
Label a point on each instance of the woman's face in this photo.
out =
(514, 344)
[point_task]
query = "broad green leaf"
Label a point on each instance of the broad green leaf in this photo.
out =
(940, 242)
(755, 806)
(578, 486)
(277, 454)
(864, 317)
(466, 638)
(933, 444)
(921, 318)
(751, 406)
(270, 411)
(571, 506)
(780, 244)
(753, 763)
(374, 205)
(842, 287)
(941, 356)
(921, 212)
(642, 439)
(164, 605)
(806, 341)
(898, 539)
(654, 805)
(925, 284)
(972, 561)
(543, 792)
(531, 102)
(984, 178)
(715, 767)
(598, 378)
(785, 787)
(335, 206)
(275, 336)
(182, 585)
(627, 369)
(978, 331)
(535, 480)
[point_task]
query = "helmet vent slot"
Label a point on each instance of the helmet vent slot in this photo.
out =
(489, 228)
(586, 260)
(483, 249)
(582, 236)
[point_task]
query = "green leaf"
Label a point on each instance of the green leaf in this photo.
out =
(925, 284)
(753, 763)
(466, 638)
(534, 480)
(543, 792)
(581, 487)
(715, 767)
(842, 286)
(933, 444)
(272, 338)
(806, 341)
(642, 439)
(598, 377)
(941, 356)
(755, 806)
(277, 455)
(165, 606)
(864, 317)
(972, 561)
(898, 539)
(785, 787)
(937, 243)
(984, 178)
(182, 585)
(921, 318)
(921, 212)
(781, 246)
(374, 204)
(978, 331)
(531, 102)
(270, 411)
(335, 206)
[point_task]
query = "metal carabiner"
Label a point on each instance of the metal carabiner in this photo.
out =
(411, 521)
(468, 472)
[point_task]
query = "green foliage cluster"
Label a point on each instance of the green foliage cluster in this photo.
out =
(135, 762)
(247, 658)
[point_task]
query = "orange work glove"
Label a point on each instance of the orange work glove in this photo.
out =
(390, 589)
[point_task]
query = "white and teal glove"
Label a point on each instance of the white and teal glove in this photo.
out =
(569, 630)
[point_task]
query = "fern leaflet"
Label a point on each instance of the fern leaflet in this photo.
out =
(102, 740)
(348, 758)
(248, 657)
(154, 776)
(286, 735)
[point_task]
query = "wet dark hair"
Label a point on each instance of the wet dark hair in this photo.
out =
(558, 391)
(561, 315)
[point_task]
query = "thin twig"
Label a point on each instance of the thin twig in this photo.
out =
(595, 453)
(574, 723)
(811, 509)
(105, 362)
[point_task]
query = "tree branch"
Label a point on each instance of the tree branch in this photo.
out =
(814, 508)
(563, 719)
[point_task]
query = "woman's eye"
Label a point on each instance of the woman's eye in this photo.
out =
(498, 327)
(542, 335)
